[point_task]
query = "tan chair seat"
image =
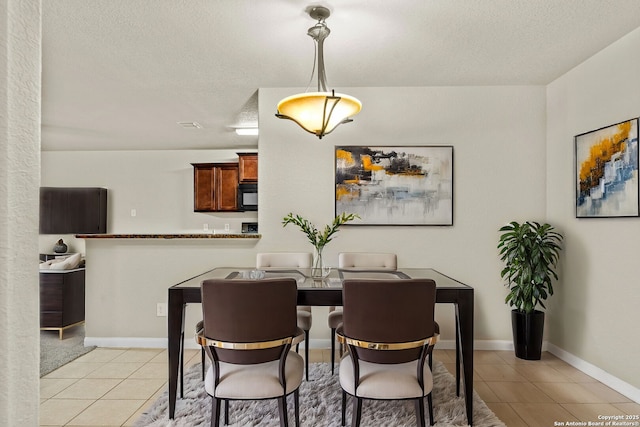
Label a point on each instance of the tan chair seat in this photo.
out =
(386, 381)
(259, 381)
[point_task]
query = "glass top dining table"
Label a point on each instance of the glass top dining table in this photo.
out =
(327, 291)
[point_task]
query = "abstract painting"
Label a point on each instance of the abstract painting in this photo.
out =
(409, 185)
(607, 171)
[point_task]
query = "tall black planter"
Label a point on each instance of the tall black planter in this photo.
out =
(527, 334)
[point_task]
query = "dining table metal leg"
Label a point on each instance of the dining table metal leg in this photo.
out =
(464, 314)
(174, 326)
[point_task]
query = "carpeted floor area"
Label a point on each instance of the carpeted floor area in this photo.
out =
(319, 405)
(55, 352)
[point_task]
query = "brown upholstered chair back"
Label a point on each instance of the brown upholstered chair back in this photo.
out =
(249, 311)
(386, 311)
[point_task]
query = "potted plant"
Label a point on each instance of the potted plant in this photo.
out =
(530, 252)
(318, 238)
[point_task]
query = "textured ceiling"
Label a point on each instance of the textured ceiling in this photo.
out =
(120, 74)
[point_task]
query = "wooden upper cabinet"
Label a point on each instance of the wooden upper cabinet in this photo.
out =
(215, 187)
(202, 187)
(226, 187)
(248, 165)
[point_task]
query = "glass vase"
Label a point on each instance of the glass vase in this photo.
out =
(318, 270)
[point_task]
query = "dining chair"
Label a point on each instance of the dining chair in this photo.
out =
(356, 261)
(266, 260)
(292, 260)
(249, 327)
(388, 327)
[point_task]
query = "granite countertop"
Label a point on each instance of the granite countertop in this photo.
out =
(172, 236)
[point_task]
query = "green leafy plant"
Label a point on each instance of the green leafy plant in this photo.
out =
(318, 238)
(530, 252)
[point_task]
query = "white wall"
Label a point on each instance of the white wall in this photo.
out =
(595, 312)
(20, 65)
(498, 135)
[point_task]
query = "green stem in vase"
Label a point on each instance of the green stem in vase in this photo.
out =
(316, 237)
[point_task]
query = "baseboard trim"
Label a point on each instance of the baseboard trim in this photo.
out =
(599, 374)
(477, 345)
(127, 342)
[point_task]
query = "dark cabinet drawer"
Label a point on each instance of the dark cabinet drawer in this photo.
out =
(61, 298)
(51, 319)
(51, 286)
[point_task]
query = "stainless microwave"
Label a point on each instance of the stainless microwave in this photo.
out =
(248, 197)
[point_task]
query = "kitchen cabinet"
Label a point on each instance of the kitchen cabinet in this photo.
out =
(248, 167)
(71, 210)
(62, 295)
(215, 187)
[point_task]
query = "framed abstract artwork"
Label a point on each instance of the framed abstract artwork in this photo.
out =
(606, 171)
(389, 185)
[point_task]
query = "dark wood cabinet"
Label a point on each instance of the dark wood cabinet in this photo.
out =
(62, 299)
(215, 187)
(79, 210)
(248, 166)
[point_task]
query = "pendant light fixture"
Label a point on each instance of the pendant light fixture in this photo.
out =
(322, 111)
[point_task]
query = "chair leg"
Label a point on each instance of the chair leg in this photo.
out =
(420, 411)
(458, 350)
(181, 365)
(357, 412)
(215, 412)
(282, 409)
(296, 406)
(306, 355)
(344, 407)
(202, 361)
(226, 412)
(333, 350)
(181, 356)
(430, 403)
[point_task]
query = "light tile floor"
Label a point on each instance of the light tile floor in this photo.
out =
(112, 387)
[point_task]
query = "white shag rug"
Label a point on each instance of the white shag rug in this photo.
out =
(320, 403)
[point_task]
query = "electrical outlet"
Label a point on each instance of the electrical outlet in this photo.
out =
(206, 227)
(161, 309)
(133, 212)
(226, 227)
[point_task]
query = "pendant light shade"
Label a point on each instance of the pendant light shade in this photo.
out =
(319, 112)
(322, 111)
